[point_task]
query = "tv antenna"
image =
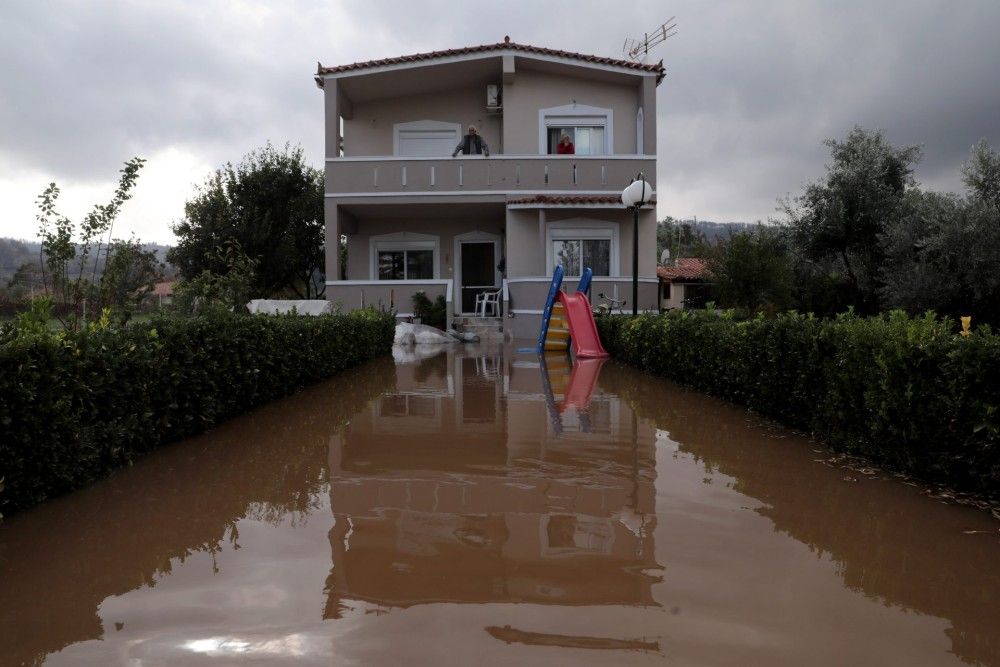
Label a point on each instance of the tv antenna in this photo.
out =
(637, 50)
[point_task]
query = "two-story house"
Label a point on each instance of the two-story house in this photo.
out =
(418, 219)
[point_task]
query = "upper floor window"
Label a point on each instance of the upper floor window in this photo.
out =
(588, 130)
(580, 140)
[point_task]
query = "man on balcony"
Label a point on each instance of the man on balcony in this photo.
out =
(472, 144)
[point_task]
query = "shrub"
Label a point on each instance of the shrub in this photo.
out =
(76, 405)
(905, 391)
(753, 270)
(432, 313)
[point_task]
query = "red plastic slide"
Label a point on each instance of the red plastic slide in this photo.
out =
(582, 328)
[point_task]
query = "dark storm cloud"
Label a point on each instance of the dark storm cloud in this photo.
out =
(751, 92)
(86, 85)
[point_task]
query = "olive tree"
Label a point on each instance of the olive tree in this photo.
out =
(943, 252)
(837, 222)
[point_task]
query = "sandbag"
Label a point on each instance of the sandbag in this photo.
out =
(421, 334)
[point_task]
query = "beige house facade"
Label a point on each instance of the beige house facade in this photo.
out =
(417, 219)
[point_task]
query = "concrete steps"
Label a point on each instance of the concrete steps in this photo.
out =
(487, 328)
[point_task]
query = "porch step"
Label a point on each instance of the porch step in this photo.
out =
(478, 321)
(487, 328)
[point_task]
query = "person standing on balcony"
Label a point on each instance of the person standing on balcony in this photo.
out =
(565, 146)
(472, 144)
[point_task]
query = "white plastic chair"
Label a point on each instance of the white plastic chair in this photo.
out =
(488, 301)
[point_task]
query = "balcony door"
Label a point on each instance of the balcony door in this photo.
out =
(478, 255)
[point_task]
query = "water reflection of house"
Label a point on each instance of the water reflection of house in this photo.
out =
(457, 488)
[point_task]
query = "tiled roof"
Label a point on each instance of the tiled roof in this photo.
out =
(164, 288)
(499, 46)
(685, 268)
(568, 200)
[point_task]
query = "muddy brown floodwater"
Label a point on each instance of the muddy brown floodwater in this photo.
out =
(477, 506)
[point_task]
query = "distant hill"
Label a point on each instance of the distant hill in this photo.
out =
(716, 230)
(15, 253)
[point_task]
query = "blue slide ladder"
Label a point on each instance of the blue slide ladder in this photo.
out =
(550, 300)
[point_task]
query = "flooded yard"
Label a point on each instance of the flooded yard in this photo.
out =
(482, 506)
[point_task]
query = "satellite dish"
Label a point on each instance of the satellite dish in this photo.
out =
(665, 257)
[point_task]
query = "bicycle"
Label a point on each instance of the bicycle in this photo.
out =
(608, 305)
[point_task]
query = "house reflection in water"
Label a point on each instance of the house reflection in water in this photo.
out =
(462, 486)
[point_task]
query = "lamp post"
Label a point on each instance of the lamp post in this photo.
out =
(635, 196)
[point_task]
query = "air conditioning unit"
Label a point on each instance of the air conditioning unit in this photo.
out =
(492, 96)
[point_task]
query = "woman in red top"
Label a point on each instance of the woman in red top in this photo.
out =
(565, 146)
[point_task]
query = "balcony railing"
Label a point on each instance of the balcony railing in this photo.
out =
(375, 176)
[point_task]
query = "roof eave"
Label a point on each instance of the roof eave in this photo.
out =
(491, 50)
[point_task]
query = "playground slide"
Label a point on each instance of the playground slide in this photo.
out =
(582, 328)
(578, 325)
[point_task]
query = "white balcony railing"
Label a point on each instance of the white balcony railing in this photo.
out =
(499, 174)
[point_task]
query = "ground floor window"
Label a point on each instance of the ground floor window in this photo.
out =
(581, 243)
(416, 264)
(574, 255)
(404, 256)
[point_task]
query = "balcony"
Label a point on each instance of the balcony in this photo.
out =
(358, 177)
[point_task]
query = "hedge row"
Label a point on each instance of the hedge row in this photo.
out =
(75, 406)
(908, 392)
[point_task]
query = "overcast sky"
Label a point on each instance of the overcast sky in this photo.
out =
(752, 89)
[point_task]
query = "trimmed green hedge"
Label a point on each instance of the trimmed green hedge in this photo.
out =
(75, 406)
(908, 392)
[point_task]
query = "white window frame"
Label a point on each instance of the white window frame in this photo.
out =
(403, 241)
(426, 126)
(475, 237)
(570, 115)
(583, 229)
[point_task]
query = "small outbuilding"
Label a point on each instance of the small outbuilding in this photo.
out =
(685, 283)
(163, 292)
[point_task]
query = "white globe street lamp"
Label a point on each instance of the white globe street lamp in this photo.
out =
(637, 194)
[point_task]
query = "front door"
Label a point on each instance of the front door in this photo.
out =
(478, 271)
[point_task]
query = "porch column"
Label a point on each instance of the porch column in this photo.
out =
(332, 215)
(541, 241)
(507, 128)
(647, 102)
(336, 106)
